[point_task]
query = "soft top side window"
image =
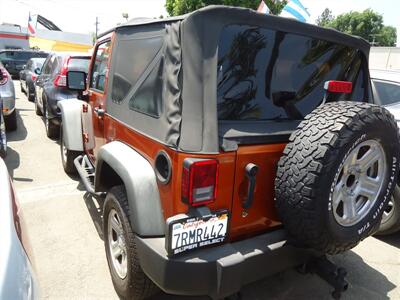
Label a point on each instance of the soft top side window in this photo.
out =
(100, 66)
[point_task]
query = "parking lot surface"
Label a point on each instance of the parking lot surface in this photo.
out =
(64, 228)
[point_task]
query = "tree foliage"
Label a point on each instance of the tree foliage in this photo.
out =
(180, 7)
(325, 18)
(367, 24)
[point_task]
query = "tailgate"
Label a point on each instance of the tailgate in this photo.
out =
(261, 214)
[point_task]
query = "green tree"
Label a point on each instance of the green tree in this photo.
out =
(368, 25)
(180, 7)
(325, 18)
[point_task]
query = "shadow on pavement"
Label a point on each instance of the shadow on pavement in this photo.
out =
(21, 132)
(364, 283)
(12, 161)
(393, 239)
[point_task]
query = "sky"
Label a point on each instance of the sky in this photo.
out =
(80, 15)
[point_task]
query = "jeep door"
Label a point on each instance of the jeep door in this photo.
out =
(93, 118)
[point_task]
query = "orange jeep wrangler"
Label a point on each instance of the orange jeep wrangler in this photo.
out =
(228, 145)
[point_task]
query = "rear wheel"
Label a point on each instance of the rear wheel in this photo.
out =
(67, 156)
(391, 216)
(52, 130)
(337, 174)
(37, 108)
(129, 280)
(31, 96)
(11, 121)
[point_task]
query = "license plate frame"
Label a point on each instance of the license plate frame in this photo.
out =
(217, 217)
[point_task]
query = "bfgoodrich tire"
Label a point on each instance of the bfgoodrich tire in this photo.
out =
(129, 280)
(391, 216)
(336, 175)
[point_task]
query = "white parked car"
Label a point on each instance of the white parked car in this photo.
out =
(17, 280)
(386, 89)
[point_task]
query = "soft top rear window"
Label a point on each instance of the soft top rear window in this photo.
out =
(271, 75)
(79, 64)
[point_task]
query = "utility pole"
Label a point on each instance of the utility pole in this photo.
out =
(97, 26)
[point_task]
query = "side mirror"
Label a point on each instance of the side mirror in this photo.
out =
(76, 80)
(37, 71)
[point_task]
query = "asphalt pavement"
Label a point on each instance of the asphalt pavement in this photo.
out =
(64, 228)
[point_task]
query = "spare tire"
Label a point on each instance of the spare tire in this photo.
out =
(337, 174)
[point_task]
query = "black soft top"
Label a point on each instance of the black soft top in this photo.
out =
(215, 16)
(190, 53)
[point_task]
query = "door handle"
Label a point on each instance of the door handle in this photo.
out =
(99, 111)
(251, 172)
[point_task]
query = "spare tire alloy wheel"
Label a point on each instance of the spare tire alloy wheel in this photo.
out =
(337, 174)
(359, 183)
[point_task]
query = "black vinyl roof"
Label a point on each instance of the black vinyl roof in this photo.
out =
(231, 15)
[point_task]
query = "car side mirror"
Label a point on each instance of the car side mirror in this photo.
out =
(76, 80)
(37, 71)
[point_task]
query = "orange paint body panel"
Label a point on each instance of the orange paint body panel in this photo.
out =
(262, 214)
(170, 193)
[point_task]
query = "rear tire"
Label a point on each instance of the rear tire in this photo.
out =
(67, 156)
(391, 217)
(336, 175)
(11, 121)
(52, 130)
(132, 282)
(37, 109)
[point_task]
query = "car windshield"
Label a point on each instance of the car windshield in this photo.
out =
(261, 77)
(79, 64)
(38, 62)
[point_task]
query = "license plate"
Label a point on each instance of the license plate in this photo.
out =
(195, 232)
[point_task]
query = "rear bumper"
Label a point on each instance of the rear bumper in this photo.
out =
(219, 271)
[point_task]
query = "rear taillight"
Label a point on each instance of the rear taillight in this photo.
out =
(199, 181)
(334, 86)
(34, 76)
(61, 78)
(4, 76)
(60, 81)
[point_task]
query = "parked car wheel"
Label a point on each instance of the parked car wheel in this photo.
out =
(37, 109)
(337, 174)
(67, 156)
(11, 121)
(391, 216)
(31, 96)
(3, 137)
(52, 130)
(129, 280)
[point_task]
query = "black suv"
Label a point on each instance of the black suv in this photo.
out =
(14, 60)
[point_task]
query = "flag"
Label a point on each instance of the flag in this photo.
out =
(295, 10)
(31, 26)
(263, 8)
